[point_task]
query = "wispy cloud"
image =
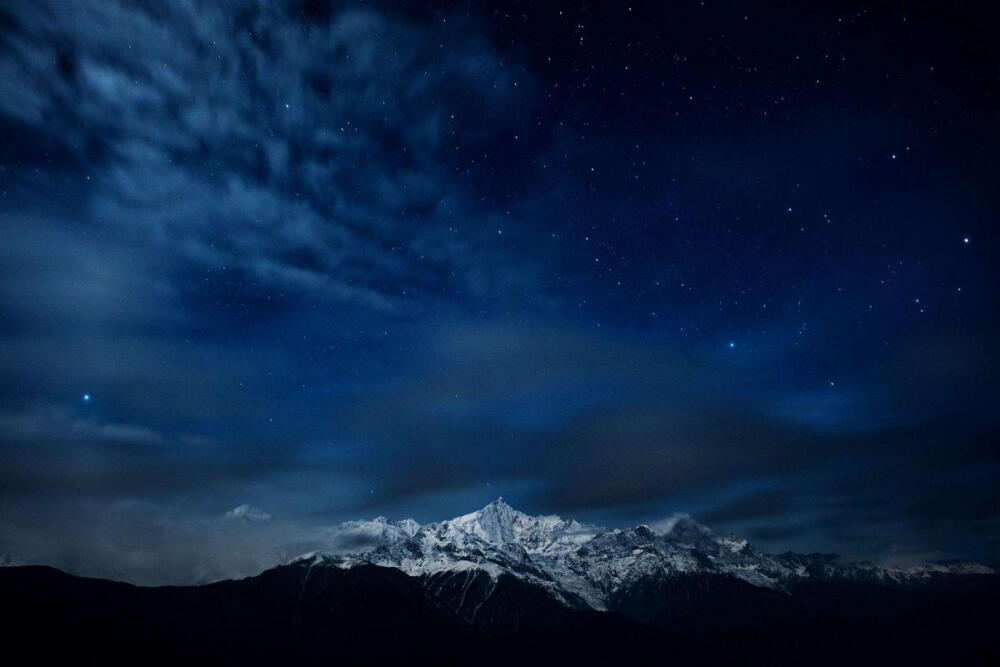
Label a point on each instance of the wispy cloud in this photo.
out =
(321, 157)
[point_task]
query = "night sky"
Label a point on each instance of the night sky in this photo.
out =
(609, 261)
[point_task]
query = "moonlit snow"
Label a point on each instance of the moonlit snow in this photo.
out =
(578, 562)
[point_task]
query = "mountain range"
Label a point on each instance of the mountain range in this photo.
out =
(499, 585)
(588, 566)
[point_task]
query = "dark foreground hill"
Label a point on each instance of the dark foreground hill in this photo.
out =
(296, 612)
(329, 615)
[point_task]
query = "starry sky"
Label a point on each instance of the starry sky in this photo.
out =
(612, 261)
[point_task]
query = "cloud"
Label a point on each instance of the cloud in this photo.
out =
(211, 209)
(320, 157)
(43, 423)
(596, 421)
(591, 424)
(763, 504)
(664, 526)
(149, 543)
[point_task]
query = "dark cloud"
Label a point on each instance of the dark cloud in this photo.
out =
(766, 534)
(641, 424)
(153, 544)
(762, 504)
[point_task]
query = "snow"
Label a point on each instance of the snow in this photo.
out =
(576, 561)
(247, 514)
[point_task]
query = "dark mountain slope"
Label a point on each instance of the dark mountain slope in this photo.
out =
(284, 613)
(825, 622)
(508, 609)
(297, 612)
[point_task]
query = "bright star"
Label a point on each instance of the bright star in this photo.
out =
(86, 398)
(732, 345)
(965, 240)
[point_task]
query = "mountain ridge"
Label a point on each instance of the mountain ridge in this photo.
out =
(498, 585)
(577, 562)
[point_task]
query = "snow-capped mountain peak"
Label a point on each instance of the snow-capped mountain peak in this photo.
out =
(247, 514)
(581, 564)
(497, 523)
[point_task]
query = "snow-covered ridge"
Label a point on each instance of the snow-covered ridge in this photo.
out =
(585, 564)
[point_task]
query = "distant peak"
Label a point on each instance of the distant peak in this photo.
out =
(644, 530)
(247, 514)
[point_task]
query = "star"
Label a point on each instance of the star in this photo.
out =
(86, 398)
(732, 345)
(965, 240)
